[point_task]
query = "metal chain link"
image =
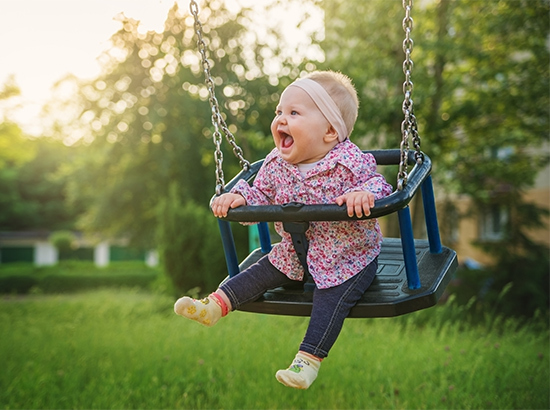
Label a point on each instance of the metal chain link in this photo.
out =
(408, 126)
(217, 118)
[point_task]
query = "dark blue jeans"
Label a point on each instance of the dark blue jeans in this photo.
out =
(331, 306)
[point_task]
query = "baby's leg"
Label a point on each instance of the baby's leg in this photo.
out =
(206, 311)
(240, 289)
(302, 372)
(251, 283)
(330, 308)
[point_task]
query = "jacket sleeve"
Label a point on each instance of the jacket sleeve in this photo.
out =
(370, 180)
(260, 193)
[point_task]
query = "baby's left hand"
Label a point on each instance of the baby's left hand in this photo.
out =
(359, 203)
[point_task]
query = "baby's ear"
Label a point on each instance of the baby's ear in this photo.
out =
(331, 135)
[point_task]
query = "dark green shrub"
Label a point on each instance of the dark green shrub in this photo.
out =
(62, 283)
(72, 276)
(17, 284)
(62, 240)
(190, 246)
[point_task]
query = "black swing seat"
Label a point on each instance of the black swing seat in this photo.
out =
(427, 264)
(389, 294)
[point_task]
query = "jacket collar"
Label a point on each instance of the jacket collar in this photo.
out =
(345, 153)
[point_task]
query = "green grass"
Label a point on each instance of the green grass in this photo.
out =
(127, 350)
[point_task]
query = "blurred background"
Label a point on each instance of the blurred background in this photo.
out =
(106, 151)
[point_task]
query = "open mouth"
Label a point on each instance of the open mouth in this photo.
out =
(286, 140)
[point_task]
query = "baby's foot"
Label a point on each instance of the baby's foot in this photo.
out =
(206, 311)
(301, 373)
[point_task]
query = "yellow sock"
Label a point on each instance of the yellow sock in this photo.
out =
(206, 311)
(301, 373)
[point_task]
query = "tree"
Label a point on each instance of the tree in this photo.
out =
(32, 193)
(33, 188)
(501, 121)
(481, 85)
(148, 126)
(150, 122)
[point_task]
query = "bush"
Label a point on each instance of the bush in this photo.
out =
(62, 240)
(519, 288)
(191, 252)
(72, 276)
(17, 284)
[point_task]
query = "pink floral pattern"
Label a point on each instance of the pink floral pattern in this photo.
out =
(337, 250)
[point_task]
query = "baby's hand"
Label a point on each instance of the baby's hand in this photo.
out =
(224, 202)
(358, 202)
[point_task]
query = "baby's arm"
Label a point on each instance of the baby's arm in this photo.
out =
(224, 202)
(373, 186)
(358, 202)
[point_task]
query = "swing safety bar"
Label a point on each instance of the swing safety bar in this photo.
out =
(419, 178)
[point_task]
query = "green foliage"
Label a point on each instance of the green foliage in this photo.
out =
(481, 98)
(363, 39)
(150, 123)
(21, 284)
(73, 276)
(15, 149)
(521, 262)
(481, 79)
(62, 240)
(9, 88)
(501, 59)
(33, 193)
(190, 249)
(129, 350)
(149, 129)
(501, 77)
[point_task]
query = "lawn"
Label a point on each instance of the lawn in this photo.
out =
(126, 349)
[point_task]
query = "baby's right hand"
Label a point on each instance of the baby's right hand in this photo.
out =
(224, 202)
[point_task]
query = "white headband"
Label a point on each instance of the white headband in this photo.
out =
(326, 105)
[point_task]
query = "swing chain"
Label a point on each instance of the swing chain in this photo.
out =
(217, 118)
(409, 125)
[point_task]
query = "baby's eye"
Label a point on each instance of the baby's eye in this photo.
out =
(294, 112)
(278, 112)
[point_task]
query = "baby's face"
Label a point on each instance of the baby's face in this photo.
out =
(300, 131)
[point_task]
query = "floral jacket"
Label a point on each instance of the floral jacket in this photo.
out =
(338, 250)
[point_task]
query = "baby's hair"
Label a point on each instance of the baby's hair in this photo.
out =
(340, 87)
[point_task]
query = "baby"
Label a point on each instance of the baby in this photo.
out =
(313, 162)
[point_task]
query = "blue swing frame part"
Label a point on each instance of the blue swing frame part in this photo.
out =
(398, 201)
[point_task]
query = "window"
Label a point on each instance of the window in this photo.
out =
(493, 223)
(500, 153)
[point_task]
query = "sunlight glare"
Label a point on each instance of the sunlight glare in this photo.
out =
(48, 40)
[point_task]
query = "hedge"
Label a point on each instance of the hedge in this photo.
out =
(71, 276)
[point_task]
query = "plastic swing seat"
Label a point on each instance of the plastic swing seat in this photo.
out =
(412, 274)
